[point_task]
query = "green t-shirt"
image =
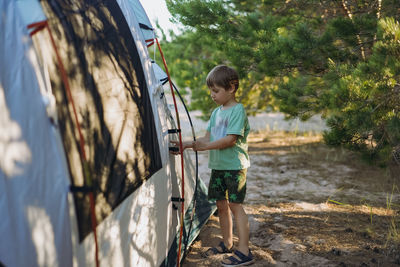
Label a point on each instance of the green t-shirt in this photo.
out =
(229, 121)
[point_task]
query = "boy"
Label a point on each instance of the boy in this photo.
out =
(226, 140)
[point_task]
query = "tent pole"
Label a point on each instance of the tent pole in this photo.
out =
(181, 153)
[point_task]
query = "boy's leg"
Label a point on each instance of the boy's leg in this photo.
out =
(217, 191)
(242, 225)
(225, 222)
(236, 185)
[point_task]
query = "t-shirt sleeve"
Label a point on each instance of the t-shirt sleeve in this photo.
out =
(236, 122)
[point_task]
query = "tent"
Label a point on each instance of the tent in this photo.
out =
(86, 177)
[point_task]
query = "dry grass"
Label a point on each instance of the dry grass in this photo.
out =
(324, 205)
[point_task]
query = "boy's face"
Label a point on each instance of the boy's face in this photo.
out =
(220, 95)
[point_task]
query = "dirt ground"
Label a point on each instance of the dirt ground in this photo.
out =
(312, 205)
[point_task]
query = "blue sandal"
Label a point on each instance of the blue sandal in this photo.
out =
(244, 260)
(220, 249)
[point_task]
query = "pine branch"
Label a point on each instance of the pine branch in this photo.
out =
(350, 15)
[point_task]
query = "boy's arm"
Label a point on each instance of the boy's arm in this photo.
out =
(205, 138)
(190, 144)
(225, 142)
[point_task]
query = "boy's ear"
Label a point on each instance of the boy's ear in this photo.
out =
(233, 85)
(232, 89)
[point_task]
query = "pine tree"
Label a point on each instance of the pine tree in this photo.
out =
(335, 58)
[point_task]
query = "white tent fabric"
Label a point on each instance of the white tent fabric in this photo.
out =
(33, 176)
(30, 11)
(131, 9)
(138, 232)
(39, 225)
(135, 14)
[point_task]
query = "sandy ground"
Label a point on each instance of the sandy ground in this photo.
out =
(312, 205)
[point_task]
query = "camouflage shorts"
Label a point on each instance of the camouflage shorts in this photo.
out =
(227, 184)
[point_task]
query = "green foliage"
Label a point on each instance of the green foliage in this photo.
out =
(368, 117)
(340, 59)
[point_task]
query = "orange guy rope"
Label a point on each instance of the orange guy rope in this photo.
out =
(37, 27)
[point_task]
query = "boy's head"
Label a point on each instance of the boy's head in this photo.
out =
(223, 76)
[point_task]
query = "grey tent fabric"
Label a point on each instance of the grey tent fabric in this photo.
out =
(35, 227)
(124, 118)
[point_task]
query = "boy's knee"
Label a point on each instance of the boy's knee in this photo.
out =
(222, 205)
(235, 207)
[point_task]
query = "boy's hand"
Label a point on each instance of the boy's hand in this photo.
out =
(184, 146)
(175, 144)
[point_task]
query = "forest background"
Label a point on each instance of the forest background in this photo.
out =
(336, 58)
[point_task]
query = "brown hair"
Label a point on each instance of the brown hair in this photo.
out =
(223, 76)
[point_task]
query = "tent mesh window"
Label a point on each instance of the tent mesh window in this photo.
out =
(110, 95)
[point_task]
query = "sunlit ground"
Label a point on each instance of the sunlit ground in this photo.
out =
(313, 205)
